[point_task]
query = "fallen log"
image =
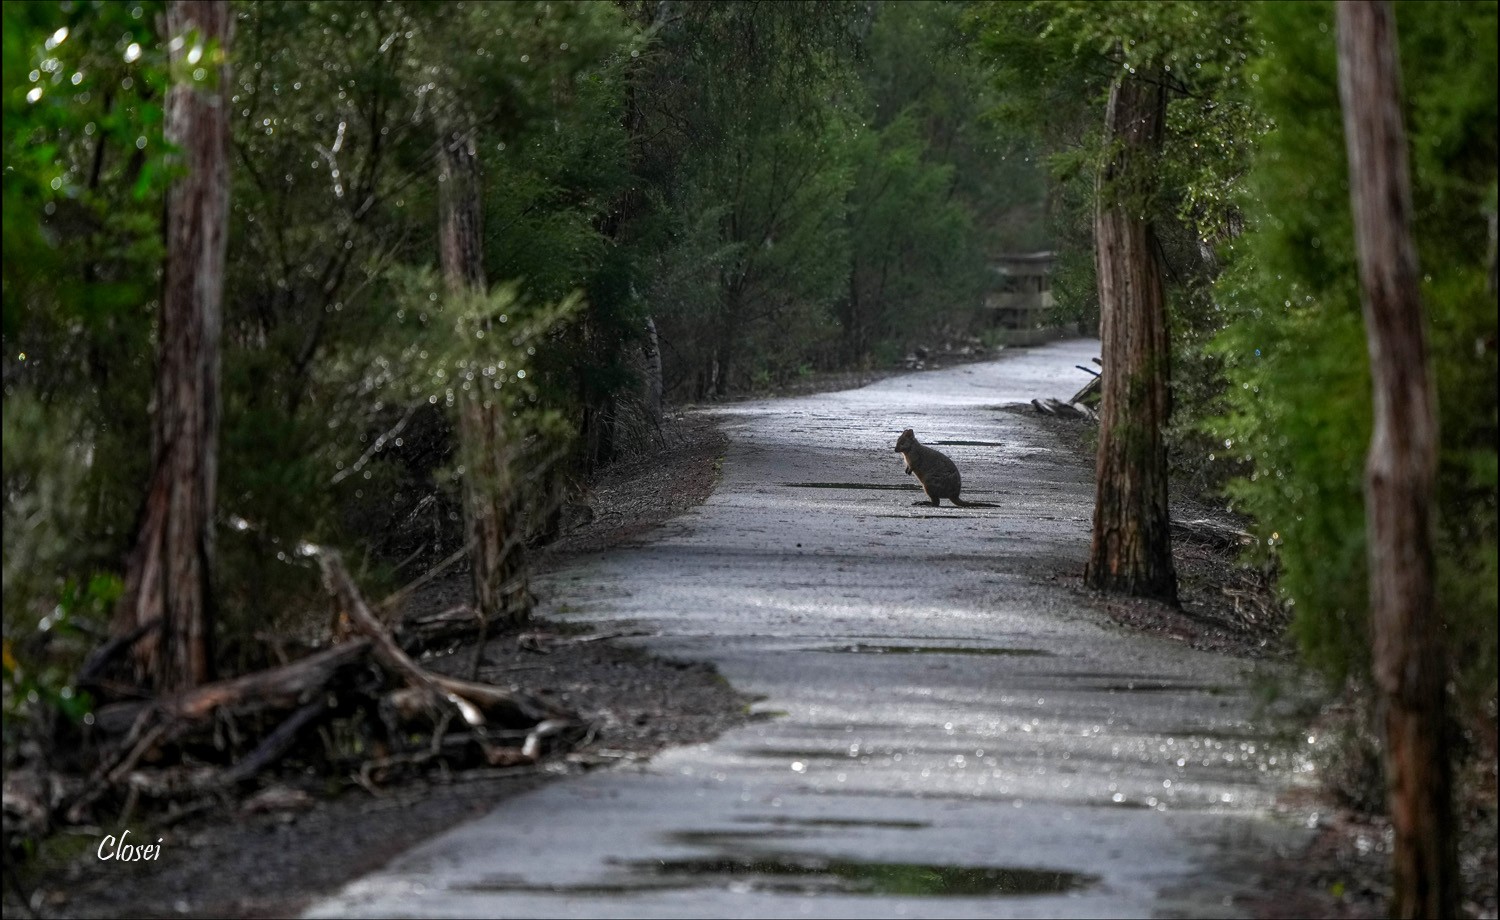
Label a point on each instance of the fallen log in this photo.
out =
(151, 725)
(383, 646)
(1213, 533)
(419, 632)
(472, 700)
(277, 743)
(100, 658)
(274, 689)
(1092, 389)
(1062, 409)
(1085, 411)
(301, 694)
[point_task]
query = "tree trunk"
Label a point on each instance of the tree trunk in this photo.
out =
(1406, 631)
(168, 571)
(598, 415)
(653, 371)
(728, 339)
(1132, 547)
(491, 516)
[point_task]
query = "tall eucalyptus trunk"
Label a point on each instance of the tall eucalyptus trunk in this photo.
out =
(1410, 662)
(496, 539)
(167, 599)
(653, 371)
(1132, 547)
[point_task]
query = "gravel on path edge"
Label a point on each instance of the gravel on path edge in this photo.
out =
(234, 862)
(231, 864)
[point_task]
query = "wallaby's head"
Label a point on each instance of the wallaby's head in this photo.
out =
(906, 442)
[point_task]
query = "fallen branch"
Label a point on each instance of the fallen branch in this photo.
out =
(1213, 532)
(285, 687)
(1093, 388)
(154, 724)
(499, 707)
(267, 712)
(1059, 408)
(423, 631)
(274, 745)
(509, 707)
(539, 735)
(473, 700)
(384, 648)
(108, 776)
(100, 658)
(543, 644)
(395, 598)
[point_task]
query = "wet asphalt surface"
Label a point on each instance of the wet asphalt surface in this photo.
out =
(945, 728)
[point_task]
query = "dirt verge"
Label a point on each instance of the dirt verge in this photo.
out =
(1230, 607)
(307, 836)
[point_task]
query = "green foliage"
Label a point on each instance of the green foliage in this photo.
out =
(918, 61)
(38, 671)
(938, 189)
(83, 155)
(482, 346)
(742, 141)
(85, 168)
(1055, 62)
(1273, 351)
(329, 435)
(1298, 409)
(914, 265)
(51, 618)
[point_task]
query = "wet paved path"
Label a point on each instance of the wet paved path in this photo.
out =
(944, 731)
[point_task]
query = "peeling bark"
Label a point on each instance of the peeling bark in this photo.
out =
(653, 371)
(491, 514)
(1410, 662)
(1132, 548)
(167, 575)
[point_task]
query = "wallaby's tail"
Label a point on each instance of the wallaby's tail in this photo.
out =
(963, 504)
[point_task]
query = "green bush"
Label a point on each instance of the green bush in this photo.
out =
(1298, 406)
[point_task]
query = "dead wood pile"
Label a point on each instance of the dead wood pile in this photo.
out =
(361, 708)
(1080, 404)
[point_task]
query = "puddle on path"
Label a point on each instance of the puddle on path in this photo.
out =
(784, 820)
(1115, 682)
(852, 485)
(711, 838)
(505, 886)
(791, 753)
(861, 649)
(806, 874)
(1161, 687)
(970, 443)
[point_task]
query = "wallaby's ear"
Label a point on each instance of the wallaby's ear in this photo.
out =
(908, 432)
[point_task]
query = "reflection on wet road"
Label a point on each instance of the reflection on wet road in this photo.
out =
(946, 731)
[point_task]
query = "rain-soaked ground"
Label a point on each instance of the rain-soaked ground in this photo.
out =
(944, 730)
